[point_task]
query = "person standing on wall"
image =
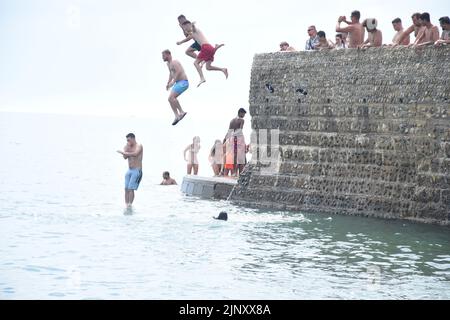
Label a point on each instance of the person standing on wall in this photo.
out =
(355, 29)
(429, 33)
(445, 37)
(374, 36)
(235, 145)
(313, 40)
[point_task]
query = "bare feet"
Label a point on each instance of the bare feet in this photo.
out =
(182, 116)
(225, 71)
(201, 81)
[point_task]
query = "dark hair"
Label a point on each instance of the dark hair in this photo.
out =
(425, 17)
(356, 14)
(396, 20)
(186, 22)
(222, 216)
(444, 20)
(242, 110)
(166, 173)
(321, 34)
(131, 135)
(416, 15)
(181, 16)
(167, 51)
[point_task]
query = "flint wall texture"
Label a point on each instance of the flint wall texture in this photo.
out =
(371, 136)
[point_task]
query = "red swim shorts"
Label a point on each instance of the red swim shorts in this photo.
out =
(207, 52)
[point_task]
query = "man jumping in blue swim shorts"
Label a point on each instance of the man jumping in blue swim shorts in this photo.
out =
(178, 82)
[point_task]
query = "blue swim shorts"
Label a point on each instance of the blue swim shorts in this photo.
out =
(180, 86)
(133, 178)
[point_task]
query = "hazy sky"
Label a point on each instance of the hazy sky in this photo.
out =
(103, 57)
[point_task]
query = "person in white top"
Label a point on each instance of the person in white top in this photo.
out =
(340, 42)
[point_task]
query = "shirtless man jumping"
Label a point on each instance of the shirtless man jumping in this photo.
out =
(178, 82)
(355, 29)
(132, 151)
(194, 46)
(206, 53)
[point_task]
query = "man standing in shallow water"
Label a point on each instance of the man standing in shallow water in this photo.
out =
(132, 151)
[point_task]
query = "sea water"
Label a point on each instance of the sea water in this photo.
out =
(64, 232)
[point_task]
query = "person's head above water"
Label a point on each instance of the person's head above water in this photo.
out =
(222, 216)
(166, 175)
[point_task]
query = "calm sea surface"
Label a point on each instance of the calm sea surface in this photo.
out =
(64, 233)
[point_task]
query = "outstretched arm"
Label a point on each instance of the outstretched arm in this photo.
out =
(404, 34)
(434, 38)
(189, 37)
(365, 44)
(441, 42)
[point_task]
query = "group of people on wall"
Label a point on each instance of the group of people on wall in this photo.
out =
(350, 33)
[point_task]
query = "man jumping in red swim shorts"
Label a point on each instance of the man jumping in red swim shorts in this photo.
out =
(206, 53)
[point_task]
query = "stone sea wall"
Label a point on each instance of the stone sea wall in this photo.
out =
(358, 132)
